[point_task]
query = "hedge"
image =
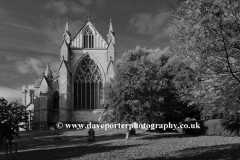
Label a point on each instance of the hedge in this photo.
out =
(211, 127)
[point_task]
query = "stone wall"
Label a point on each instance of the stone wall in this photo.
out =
(85, 116)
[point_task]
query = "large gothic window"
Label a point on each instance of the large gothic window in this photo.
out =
(88, 85)
(88, 39)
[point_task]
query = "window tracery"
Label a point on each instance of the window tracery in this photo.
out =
(88, 39)
(87, 85)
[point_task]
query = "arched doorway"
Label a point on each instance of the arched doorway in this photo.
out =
(88, 85)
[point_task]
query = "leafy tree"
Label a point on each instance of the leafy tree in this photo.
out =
(11, 116)
(231, 121)
(207, 33)
(143, 90)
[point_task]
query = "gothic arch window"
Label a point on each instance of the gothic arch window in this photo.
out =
(31, 96)
(88, 84)
(55, 100)
(88, 39)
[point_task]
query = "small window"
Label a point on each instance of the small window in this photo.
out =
(56, 100)
(88, 39)
(31, 97)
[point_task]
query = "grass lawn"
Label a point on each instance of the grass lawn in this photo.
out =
(145, 145)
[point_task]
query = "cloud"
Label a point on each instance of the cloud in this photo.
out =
(64, 7)
(91, 2)
(53, 28)
(21, 45)
(8, 76)
(27, 27)
(86, 2)
(76, 8)
(17, 19)
(27, 49)
(26, 64)
(37, 35)
(59, 7)
(10, 94)
(21, 32)
(151, 25)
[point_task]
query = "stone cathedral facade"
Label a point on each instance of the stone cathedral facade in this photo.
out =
(75, 94)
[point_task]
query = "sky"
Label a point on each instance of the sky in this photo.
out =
(31, 32)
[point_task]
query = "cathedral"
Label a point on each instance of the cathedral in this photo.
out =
(75, 93)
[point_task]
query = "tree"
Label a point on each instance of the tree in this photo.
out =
(207, 32)
(11, 116)
(142, 90)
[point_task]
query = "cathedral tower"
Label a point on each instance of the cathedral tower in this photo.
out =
(75, 95)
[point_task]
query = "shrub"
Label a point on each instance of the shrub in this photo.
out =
(11, 116)
(132, 131)
(231, 121)
(213, 127)
(216, 128)
(195, 131)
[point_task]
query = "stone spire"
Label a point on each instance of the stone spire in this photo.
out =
(66, 34)
(111, 33)
(88, 17)
(48, 72)
(110, 27)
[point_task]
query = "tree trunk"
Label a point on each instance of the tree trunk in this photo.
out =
(2, 142)
(237, 131)
(127, 133)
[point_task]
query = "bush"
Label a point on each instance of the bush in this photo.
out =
(231, 121)
(195, 131)
(11, 116)
(213, 127)
(132, 131)
(216, 128)
(179, 130)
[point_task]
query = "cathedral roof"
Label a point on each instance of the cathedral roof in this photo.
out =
(77, 41)
(38, 82)
(45, 81)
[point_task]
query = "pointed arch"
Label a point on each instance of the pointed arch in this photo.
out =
(87, 82)
(88, 36)
(95, 60)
